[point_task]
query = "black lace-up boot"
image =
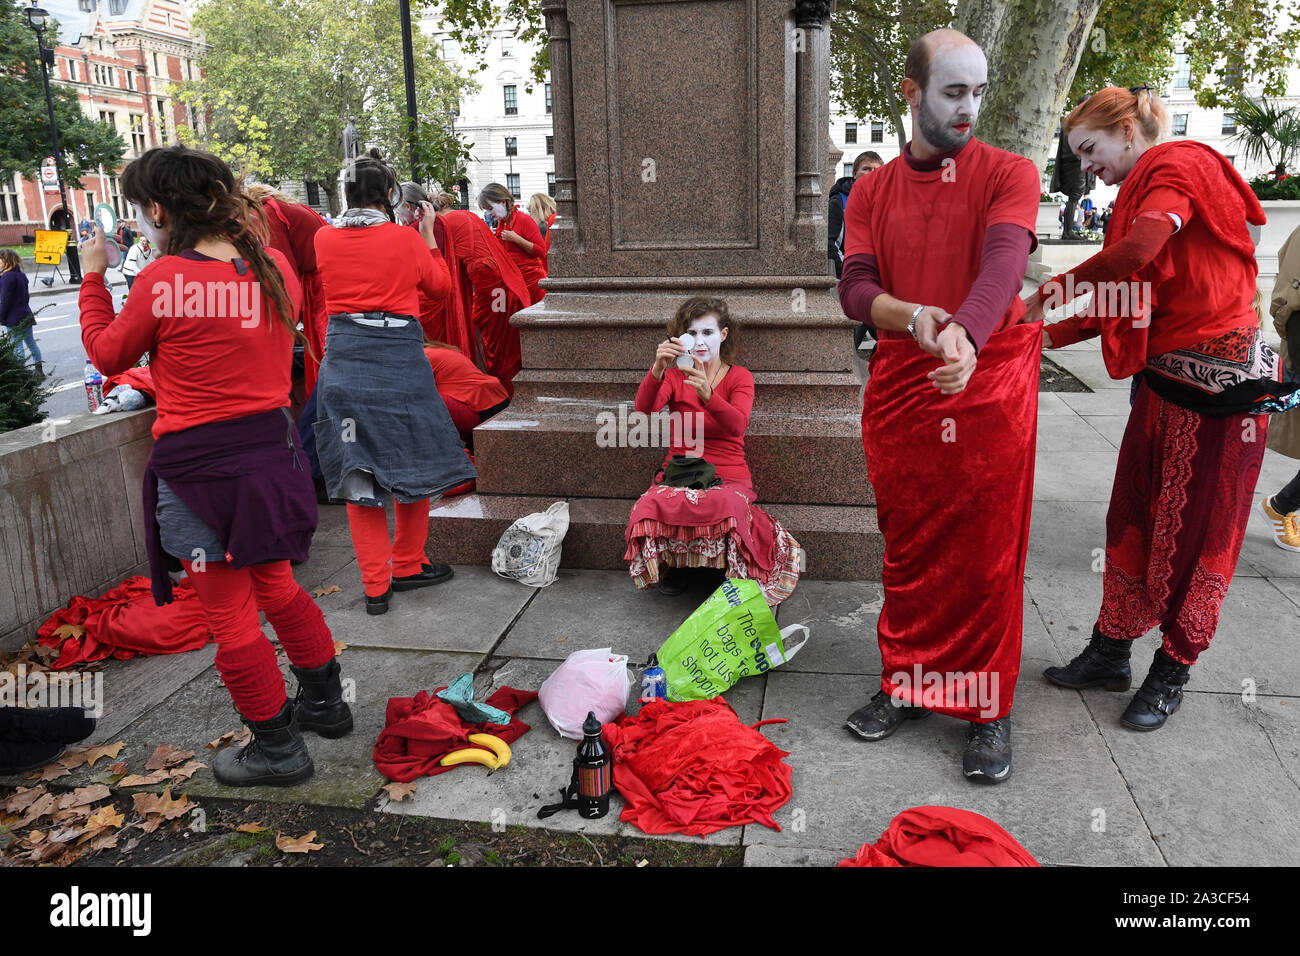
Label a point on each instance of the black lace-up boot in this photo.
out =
(319, 706)
(881, 716)
(987, 758)
(1160, 694)
(275, 757)
(1103, 663)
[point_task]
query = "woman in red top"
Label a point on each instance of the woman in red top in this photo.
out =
(542, 208)
(1173, 288)
(518, 234)
(381, 429)
(226, 488)
(709, 404)
(472, 397)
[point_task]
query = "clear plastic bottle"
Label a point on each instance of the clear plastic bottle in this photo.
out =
(94, 383)
(654, 684)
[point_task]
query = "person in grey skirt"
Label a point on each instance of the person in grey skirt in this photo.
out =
(382, 431)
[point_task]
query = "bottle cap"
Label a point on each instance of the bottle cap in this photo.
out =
(654, 661)
(591, 726)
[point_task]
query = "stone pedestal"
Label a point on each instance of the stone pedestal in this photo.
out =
(691, 159)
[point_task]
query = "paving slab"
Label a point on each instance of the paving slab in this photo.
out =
(1110, 427)
(1074, 476)
(468, 613)
(847, 790)
(1217, 784)
(541, 766)
(760, 854)
(1069, 433)
(841, 618)
(133, 687)
(1108, 401)
(1067, 535)
(1049, 403)
(327, 561)
(1087, 365)
(586, 609)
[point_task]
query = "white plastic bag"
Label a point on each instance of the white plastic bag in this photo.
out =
(595, 681)
(529, 550)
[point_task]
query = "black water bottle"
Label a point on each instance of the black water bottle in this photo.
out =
(594, 764)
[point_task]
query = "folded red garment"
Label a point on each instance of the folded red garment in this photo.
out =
(140, 379)
(694, 768)
(421, 730)
(125, 622)
(942, 836)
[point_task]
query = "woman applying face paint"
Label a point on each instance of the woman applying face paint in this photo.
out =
(1179, 251)
(709, 403)
(519, 235)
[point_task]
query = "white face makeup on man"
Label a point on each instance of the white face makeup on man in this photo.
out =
(1107, 153)
(708, 338)
(950, 103)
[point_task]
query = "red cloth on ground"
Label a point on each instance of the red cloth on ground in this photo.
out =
(380, 268)
(1202, 281)
(140, 379)
(942, 836)
(421, 730)
(725, 417)
(292, 228)
(211, 368)
(1183, 494)
(459, 378)
(532, 265)
(694, 768)
(125, 622)
(938, 461)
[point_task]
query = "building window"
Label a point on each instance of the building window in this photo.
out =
(1182, 71)
(115, 197)
(448, 48)
(512, 100)
(8, 200)
(548, 97)
(877, 132)
(162, 119)
(550, 146)
(508, 46)
(1229, 124)
(313, 194)
(850, 132)
(848, 170)
(512, 184)
(109, 119)
(1232, 160)
(156, 70)
(512, 145)
(550, 185)
(72, 70)
(130, 79)
(137, 133)
(1180, 124)
(189, 69)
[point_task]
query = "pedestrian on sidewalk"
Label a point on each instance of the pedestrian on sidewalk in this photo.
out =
(1174, 288)
(863, 164)
(227, 492)
(381, 428)
(137, 257)
(1282, 510)
(935, 248)
(16, 311)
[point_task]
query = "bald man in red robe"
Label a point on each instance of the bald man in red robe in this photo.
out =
(935, 248)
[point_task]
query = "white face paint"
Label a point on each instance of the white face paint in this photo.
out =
(1102, 152)
(951, 102)
(157, 236)
(499, 210)
(708, 338)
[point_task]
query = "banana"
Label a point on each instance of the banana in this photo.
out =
(495, 744)
(470, 755)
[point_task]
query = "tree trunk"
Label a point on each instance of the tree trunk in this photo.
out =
(981, 20)
(1031, 68)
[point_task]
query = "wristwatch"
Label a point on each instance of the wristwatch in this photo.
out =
(911, 326)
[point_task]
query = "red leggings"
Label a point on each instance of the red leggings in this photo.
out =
(380, 558)
(231, 598)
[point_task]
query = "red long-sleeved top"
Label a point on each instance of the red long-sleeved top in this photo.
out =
(532, 265)
(218, 349)
(725, 417)
(380, 268)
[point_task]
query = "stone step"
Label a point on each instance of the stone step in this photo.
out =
(842, 543)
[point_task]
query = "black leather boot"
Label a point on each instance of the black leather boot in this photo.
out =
(987, 757)
(319, 706)
(1103, 663)
(275, 757)
(59, 725)
(881, 716)
(19, 756)
(1160, 694)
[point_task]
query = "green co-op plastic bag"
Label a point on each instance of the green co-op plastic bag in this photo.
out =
(730, 636)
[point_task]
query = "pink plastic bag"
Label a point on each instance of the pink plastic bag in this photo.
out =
(595, 681)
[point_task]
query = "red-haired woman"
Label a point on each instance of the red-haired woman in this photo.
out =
(227, 490)
(673, 528)
(1174, 286)
(381, 429)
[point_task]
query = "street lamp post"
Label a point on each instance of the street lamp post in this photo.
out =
(37, 20)
(408, 67)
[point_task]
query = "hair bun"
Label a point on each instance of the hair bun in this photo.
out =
(374, 153)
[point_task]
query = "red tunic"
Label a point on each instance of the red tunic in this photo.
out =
(531, 264)
(380, 268)
(292, 228)
(725, 417)
(209, 361)
(459, 379)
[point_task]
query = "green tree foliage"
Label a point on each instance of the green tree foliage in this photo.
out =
(471, 24)
(281, 79)
(24, 119)
(22, 390)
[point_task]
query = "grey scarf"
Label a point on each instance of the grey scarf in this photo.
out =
(361, 217)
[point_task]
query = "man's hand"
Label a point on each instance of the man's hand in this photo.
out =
(94, 254)
(959, 359)
(698, 379)
(929, 322)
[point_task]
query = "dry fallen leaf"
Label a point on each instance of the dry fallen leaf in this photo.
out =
(321, 592)
(149, 804)
(23, 797)
(69, 630)
(71, 759)
(183, 773)
(46, 851)
(231, 738)
(139, 780)
(47, 804)
(300, 844)
(106, 816)
(339, 647)
(107, 839)
(107, 750)
(397, 792)
(250, 828)
(167, 756)
(84, 795)
(53, 772)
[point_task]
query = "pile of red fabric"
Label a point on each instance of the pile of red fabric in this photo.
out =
(694, 768)
(421, 730)
(140, 379)
(125, 622)
(942, 836)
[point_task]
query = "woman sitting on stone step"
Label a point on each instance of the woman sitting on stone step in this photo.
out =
(701, 514)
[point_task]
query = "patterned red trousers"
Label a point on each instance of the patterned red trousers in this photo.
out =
(1178, 511)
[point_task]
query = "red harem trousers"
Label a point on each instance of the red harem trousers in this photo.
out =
(1183, 491)
(493, 305)
(953, 477)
